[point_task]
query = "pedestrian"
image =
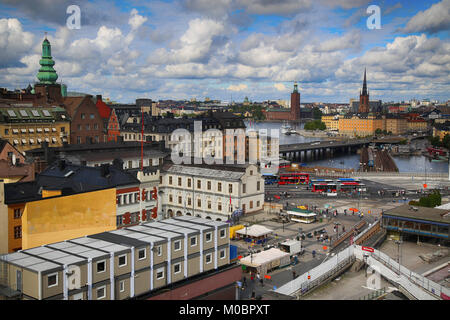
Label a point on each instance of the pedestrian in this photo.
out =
(253, 295)
(293, 274)
(314, 253)
(244, 282)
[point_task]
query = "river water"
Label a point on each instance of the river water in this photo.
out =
(404, 164)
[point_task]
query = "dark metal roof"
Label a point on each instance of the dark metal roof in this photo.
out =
(70, 179)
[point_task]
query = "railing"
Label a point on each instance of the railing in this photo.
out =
(414, 283)
(349, 233)
(367, 231)
(417, 285)
(316, 276)
(374, 295)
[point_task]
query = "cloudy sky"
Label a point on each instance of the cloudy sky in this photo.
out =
(223, 49)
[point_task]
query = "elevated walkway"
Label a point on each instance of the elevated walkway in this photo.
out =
(413, 285)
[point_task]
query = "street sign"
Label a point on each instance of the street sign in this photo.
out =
(369, 249)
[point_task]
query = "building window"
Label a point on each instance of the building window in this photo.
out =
(160, 273)
(230, 188)
(189, 183)
(219, 186)
(122, 286)
(219, 206)
(257, 203)
(208, 258)
(6, 132)
(52, 280)
(159, 251)
(199, 184)
(189, 201)
(209, 204)
(179, 181)
(79, 127)
(63, 129)
(222, 254)
(79, 140)
(17, 213)
(251, 172)
(209, 185)
(170, 180)
(177, 245)
(141, 254)
(101, 293)
(101, 266)
(199, 203)
(258, 185)
(92, 116)
(244, 188)
(251, 204)
(18, 232)
(83, 116)
(122, 260)
(208, 237)
(179, 200)
(119, 220)
(193, 241)
(177, 268)
(170, 198)
(223, 233)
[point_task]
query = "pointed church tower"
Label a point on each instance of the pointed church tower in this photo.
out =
(46, 74)
(364, 97)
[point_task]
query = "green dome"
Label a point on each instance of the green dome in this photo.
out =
(46, 73)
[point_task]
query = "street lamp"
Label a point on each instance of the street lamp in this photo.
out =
(398, 243)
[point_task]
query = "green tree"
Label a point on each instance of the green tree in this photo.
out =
(317, 113)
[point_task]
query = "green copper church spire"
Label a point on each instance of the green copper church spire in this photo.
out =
(46, 74)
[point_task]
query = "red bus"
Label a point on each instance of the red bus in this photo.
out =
(323, 187)
(351, 187)
(294, 178)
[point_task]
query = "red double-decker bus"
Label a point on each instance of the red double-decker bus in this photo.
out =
(294, 178)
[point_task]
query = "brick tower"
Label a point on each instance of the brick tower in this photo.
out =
(295, 103)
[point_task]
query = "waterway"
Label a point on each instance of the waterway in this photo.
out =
(404, 163)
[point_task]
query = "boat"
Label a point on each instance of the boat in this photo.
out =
(285, 128)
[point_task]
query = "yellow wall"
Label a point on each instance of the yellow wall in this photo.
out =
(62, 218)
(50, 193)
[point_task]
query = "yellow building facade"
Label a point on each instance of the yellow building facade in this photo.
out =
(331, 122)
(360, 126)
(56, 218)
(28, 127)
(67, 217)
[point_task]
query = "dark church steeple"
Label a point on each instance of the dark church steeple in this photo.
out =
(364, 97)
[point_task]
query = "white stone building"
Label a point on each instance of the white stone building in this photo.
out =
(210, 191)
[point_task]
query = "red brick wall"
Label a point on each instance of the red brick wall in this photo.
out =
(87, 108)
(203, 286)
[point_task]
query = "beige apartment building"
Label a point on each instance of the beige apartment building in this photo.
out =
(210, 191)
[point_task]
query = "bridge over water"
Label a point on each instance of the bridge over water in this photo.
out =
(320, 149)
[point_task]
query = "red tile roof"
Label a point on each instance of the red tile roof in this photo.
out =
(103, 109)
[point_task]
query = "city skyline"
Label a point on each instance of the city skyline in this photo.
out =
(234, 48)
